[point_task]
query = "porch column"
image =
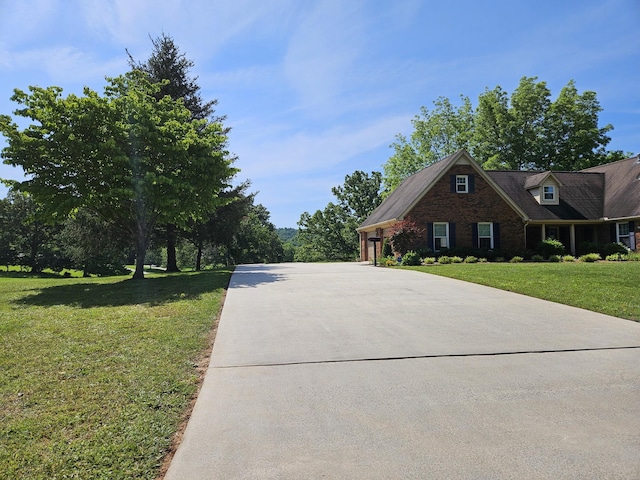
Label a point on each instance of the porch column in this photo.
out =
(543, 230)
(572, 239)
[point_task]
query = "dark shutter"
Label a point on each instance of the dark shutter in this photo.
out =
(452, 234)
(472, 183)
(430, 237)
(613, 229)
(632, 228)
(453, 183)
(474, 235)
(496, 235)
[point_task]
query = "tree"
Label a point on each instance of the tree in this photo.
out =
(220, 227)
(530, 132)
(256, 240)
(437, 133)
(330, 234)
(92, 245)
(403, 235)
(25, 239)
(360, 194)
(129, 158)
(169, 67)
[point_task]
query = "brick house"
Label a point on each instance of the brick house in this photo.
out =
(460, 205)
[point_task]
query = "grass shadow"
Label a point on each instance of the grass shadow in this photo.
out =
(151, 291)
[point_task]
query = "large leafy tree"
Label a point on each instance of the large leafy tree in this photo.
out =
(170, 68)
(330, 234)
(126, 156)
(522, 131)
(437, 133)
(25, 239)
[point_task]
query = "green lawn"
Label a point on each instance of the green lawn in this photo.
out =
(96, 374)
(606, 287)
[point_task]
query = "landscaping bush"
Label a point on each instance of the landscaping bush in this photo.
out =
(429, 260)
(633, 257)
(516, 259)
(471, 259)
(389, 261)
(482, 260)
(590, 257)
(616, 257)
(612, 249)
(549, 247)
(456, 259)
(423, 251)
(411, 259)
(587, 247)
(537, 258)
(444, 259)
(555, 258)
(386, 249)
(568, 258)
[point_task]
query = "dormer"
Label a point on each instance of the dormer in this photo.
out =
(544, 187)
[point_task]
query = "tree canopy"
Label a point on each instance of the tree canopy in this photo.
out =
(330, 234)
(133, 159)
(522, 131)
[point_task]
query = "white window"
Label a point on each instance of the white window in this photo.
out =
(485, 235)
(462, 183)
(549, 193)
(440, 236)
(624, 234)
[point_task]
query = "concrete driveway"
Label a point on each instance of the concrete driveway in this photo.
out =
(346, 371)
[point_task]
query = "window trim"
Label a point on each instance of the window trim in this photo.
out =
(626, 236)
(464, 184)
(446, 237)
(490, 237)
(553, 191)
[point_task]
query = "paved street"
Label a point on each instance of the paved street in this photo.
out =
(346, 371)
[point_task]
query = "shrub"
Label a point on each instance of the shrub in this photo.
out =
(587, 247)
(516, 259)
(444, 259)
(500, 259)
(590, 257)
(613, 248)
(554, 258)
(471, 259)
(616, 257)
(537, 258)
(549, 247)
(423, 251)
(411, 259)
(633, 257)
(568, 258)
(482, 260)
(386, 248)
(456, 259)
(429, 260)
(404, 234)
(389, 262)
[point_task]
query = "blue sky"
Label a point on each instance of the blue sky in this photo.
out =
(316, 89)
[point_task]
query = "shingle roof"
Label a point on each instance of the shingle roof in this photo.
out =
(611, 190)
(411, 188)
(581, 196)
(622, 179)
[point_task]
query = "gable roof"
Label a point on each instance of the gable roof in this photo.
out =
(622, 193)
(413, 188)
(581, 196)
(610, 191)
(538, 179)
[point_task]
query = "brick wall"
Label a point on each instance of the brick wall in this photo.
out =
(465, 209)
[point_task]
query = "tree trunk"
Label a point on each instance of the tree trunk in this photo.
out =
(172, 264)
(199, 258)
(141, 253)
